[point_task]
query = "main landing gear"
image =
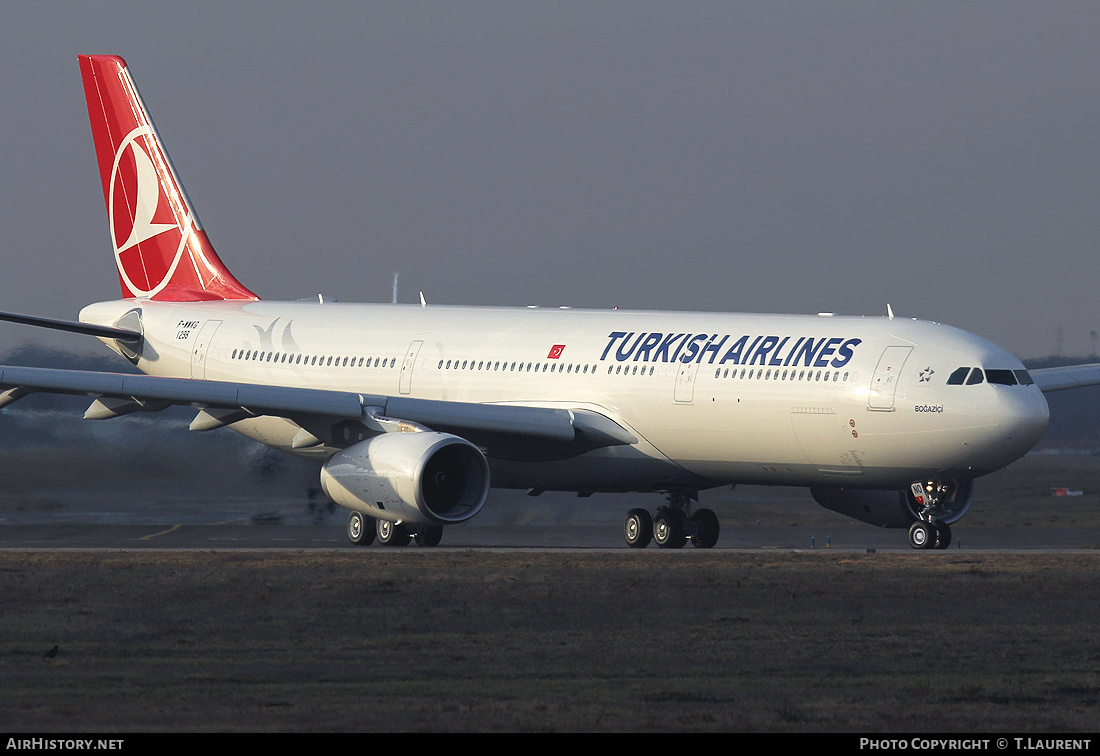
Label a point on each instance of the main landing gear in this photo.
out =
(673, 525)
(362, 530)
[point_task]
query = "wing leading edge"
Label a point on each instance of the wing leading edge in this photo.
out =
(496, 427)
(1060, 378)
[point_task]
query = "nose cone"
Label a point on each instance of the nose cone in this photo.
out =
(1028, 416)
(1020, 415)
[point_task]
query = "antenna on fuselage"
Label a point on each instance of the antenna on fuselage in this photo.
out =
(889, 311)
(396, 276)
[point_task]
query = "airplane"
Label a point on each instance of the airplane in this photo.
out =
(414, 410)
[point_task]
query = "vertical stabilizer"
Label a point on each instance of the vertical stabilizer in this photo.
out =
(160, 248)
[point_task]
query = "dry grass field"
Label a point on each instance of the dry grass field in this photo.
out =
(422, 640)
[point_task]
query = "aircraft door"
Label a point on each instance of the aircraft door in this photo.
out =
(201, 347)
(884, 383)
(685, 382)
(405, 382)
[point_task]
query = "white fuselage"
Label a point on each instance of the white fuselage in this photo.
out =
(713, 398)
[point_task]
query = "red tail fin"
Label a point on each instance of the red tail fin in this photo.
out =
(160, 248)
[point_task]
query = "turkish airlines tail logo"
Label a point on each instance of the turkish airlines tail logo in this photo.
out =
(160, 248)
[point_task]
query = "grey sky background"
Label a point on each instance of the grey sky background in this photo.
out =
(732, 156)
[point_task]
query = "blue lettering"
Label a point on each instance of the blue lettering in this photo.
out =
(712, 347)
(772, 351)
(823, 356)
(795, 349)
(620, 355)
(752, 346)
(693, 348)
(614, 336)
(662, 350)
(734, 352)
(776, 359)
(643, 351)
(806, 353)
(761, 354)
(846, 352)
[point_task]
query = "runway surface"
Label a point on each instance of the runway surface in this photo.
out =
(330, 535)
(1012, 510)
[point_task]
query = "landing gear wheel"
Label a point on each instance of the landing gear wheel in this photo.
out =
(668, 529)
(360, 529)
(393, 533)
(943, 536)
(704, 528)
(429, 535)
(922, 535)
(638, 528)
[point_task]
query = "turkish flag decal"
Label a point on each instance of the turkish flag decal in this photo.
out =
(555, 351)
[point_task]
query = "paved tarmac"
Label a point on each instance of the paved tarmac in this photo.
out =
(752, 518)
(330, 535)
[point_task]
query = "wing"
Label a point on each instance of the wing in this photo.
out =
(1059, 378)
(507, 431)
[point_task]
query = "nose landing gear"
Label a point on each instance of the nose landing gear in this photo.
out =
(929, 535)
(931, 498)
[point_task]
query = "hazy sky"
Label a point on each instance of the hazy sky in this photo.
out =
(941, 157)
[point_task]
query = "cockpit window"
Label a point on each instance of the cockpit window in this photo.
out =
(972, 376)
(1003, 377)
(957, 378)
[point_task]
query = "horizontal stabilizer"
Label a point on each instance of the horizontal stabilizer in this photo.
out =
(102, 332)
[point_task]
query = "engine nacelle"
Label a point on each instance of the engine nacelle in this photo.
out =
(423, 478)
(891, 509)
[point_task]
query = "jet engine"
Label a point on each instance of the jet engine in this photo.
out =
(893, 509)
(423, 478)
